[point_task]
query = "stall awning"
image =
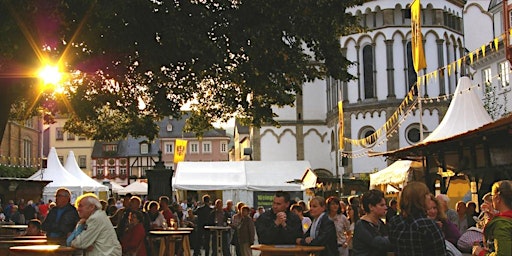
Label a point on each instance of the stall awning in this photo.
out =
(394, 174)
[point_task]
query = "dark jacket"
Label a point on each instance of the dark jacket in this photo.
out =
(66, 224)
(326, 236)
(269, 233)
(203, 215)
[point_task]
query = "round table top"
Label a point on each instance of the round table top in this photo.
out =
(217, 227)
(26, 241)
(14, 226)
(287, 248)
(170, 232)
(42, 248)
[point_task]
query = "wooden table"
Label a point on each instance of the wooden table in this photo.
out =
(168, 239)
(218, 235)
(5, 244)
(11, 229)
(18, 227)
(36, 250)
(278, 250)
(22, 237)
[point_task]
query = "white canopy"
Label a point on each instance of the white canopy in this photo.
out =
(114, 185)
(88, 184)
(394, 174)
(136, 188)
(275, 175)
(210, 176)
(59, 177)
(466, 113)
(251, 175)
(239, 180)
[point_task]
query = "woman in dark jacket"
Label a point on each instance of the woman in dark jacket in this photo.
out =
(322, 231)
(370, 233)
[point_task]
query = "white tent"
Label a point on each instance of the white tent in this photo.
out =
(239, 180)
(88, 184)
(136, 188)
(59, 177)
(465, 113)
(114, 186)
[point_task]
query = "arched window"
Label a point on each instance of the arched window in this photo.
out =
(411, 74)
(368, 72)
(366, 132)
(412, 133)
(333, 142)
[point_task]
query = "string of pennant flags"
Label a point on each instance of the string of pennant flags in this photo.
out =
(10, 161)
(452, 67)
(390, 128)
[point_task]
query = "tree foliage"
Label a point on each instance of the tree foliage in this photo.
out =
(130, 63)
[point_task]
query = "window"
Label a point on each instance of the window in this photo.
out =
(82, 161)
(223, 147)
(112, 171)
(169, 148)
(169, 127)
(504, 75)
(122, 171)
(366, 133)
(29, 123)
(59, 133)
(368, 72)
(207, 147)
(144, 148)
(27, 152)
(412, 133)
(110, 148)
(411, 73)
(82, 138)
(194, 147)
(487, 77)
(99, 172)
(61, 159)
(71, 136)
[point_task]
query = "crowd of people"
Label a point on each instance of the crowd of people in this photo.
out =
(418, 223)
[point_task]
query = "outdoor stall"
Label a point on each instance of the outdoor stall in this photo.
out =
(60, 178)
(88, 184)
(252, 182)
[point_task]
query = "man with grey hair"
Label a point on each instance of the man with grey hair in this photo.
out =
(452, 215)
(62, 218)
(94, 232)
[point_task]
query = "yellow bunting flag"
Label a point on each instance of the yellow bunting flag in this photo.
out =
(181, 150)
(483, 50)
(340, 121)
(496, 44)
(418, 53)
(471, 58)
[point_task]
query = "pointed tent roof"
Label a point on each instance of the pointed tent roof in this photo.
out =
(88, 184)
(466, 113)
(59, 177)
(136, 188)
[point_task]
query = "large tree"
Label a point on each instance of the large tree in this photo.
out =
(130, 63)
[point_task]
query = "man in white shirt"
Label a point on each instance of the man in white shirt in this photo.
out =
(94, 232)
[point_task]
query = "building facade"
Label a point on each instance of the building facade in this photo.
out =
(22, 143)
(126, 160)
(212, 146)
(64, 141)
(383, 66)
